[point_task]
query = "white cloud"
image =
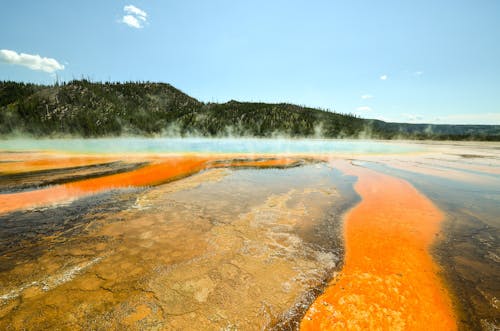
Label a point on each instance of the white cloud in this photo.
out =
(366, 96)
(364, 108)
(133, 10)
(131, 21)
(34, 62)
(134, 17)
(383, 77)
(418, 73)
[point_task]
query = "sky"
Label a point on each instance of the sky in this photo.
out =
(423, 61)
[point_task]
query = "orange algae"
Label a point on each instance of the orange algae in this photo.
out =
(149, 175)
(160, 171)
(259, 163)
(389, 281)
(54, 162)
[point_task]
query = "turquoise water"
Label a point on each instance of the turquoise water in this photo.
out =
(206, 145)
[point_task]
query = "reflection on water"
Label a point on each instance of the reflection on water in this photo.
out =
(128, 241)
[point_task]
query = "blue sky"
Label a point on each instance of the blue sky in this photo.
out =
(440, 59)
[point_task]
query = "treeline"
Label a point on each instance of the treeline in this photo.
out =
(90, 109)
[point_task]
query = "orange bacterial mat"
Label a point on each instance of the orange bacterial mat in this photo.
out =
(389, 281)
(159, 171)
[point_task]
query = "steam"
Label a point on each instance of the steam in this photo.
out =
(176, 145)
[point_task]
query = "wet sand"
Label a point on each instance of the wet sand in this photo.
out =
(212, 242)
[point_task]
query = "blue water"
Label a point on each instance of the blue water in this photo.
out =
(206, 145)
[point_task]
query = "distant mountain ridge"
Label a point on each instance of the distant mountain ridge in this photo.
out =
(92, 109)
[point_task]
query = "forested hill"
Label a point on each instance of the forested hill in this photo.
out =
(90, 109)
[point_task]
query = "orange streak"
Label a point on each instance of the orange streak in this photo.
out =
(161, 171)
(51, 163)
(149, 175)
(389, 281)
(281, 162)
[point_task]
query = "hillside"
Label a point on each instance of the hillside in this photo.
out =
(89, 109)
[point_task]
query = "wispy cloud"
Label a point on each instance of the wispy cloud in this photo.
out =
(418, 73)
(476, 118)
(34, 62)
(413, 118)
(131, 21)
(367, 96)
(134, 17)
(364, 108)
(133, 10)
(473, 119)
(383, 77)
